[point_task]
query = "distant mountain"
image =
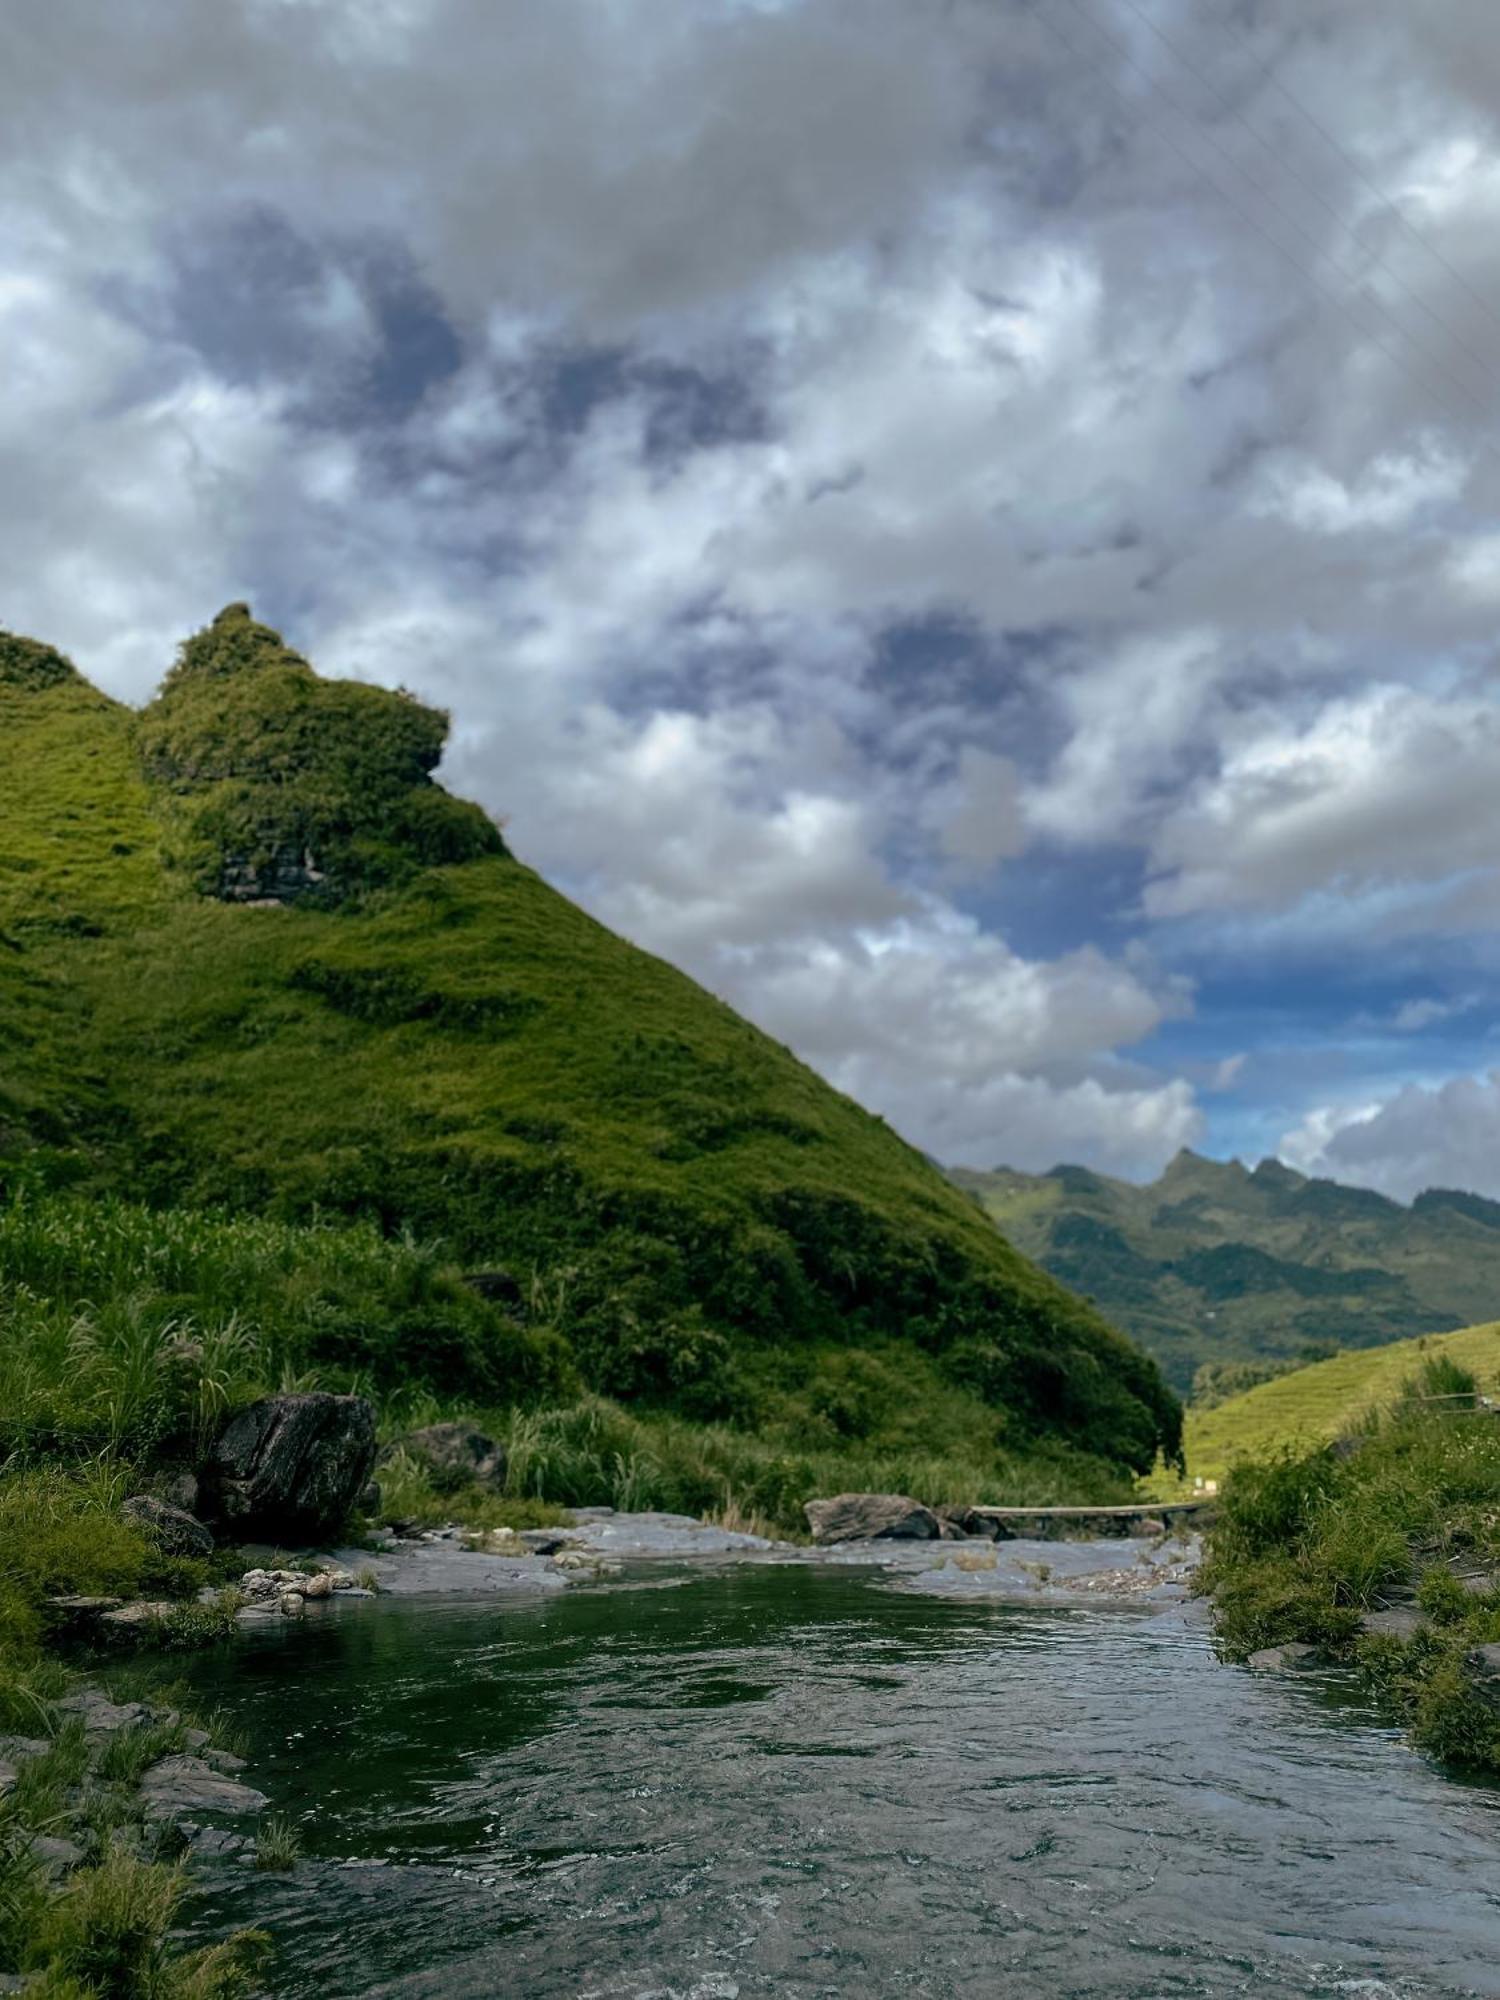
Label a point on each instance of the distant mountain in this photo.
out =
(1214, 1263)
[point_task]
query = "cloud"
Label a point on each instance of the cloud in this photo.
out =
(1388, 788)
(1425, 1135)
(626, 378)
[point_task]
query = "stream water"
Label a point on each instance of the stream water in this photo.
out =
(796, 1780)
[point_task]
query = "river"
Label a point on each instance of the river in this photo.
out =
(791, 1780)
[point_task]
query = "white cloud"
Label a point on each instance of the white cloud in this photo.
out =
(1005, 359)
(1424, 1135)
(1388, 787)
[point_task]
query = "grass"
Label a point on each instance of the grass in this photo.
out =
(1401, 1510)
(684, 1206)
(1315, 1404)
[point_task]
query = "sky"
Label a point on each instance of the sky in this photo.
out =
(968, 525)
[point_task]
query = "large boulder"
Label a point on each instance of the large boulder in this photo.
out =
(871, 1517)
(454, 1455)
(174, 1531)
(290, 1468)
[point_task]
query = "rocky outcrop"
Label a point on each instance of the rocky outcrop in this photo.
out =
(1274, 1658)
(454, 1455)
(871, 1517)
(291, 1468)
(174, 1531)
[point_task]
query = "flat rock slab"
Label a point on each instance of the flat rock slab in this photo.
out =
(1276, 1659)
(625, 1536)
(186, 1785)
(447, 1569)
(101, 1716)
(1401, 1622)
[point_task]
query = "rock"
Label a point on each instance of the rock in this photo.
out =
(137, 1618)
(871, 1517)
(1275, 1657)
(223, 1761)
(501, 1288)
(318, 1586)
(534, 1541)
(369, 1499)
(21, 1749)
(454, 1454)
(1401, 1622)
(1482, 1665)
(174, 1531)
(8, 1777)
(53, 1853)
(75, 1614)
(293, 1604)
(101, 1716)
(291, 1466)
(190, 1785)
(183, 1492)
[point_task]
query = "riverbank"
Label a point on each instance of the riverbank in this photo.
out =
(1379, 1550)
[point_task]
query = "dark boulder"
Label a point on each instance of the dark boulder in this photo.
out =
(500, 1288)
(871, 1517)
(1482, 1669)
(291, 1467)
(174, 1531)
(454, 1455)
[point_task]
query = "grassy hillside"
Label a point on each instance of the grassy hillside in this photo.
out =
(1216, 1264)
(251, 957)
(1313, 1405)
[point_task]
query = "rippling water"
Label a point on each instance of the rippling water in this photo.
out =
(792, 1780)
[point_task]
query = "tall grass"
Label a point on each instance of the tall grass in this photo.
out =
(1309, 1541)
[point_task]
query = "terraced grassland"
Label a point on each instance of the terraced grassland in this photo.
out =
(1318, 1403)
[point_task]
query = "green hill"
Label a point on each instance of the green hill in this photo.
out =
(1312, 1405)
(1214, 1263)
(253, 958)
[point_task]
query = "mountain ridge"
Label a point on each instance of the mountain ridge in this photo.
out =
(1217, 1262)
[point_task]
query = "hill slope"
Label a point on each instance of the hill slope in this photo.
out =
(1216, 1263)
(1316, 1403)
(250, 954)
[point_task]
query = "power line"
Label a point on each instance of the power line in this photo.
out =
(1313, 192)
(1466, 389)
(1392, 208)
(1461, 414)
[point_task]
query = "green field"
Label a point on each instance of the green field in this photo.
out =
(1317, 1403)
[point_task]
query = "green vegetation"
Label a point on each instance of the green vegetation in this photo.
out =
(1403, 1511)
(696, 1225)
(269, 769)
(306, 1082)
(1213, 1264)
(1315, 1404)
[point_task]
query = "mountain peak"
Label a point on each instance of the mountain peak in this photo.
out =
(29, 666)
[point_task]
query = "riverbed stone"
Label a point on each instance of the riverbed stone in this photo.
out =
(185, 1784)
(138, 1618)
(454, 1455)
(871, 1517)
(1277, 1658)
(174, 1531)
(101, 1716)
(291, 1467)
(1397, 1621)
